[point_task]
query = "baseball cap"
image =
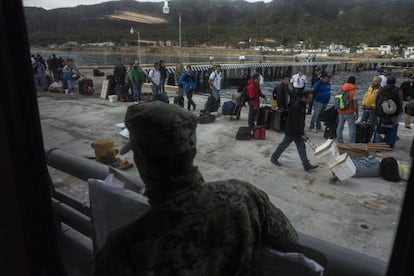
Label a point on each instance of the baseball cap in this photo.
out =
(160, 129)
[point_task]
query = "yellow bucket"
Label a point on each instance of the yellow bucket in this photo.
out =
(105, 151)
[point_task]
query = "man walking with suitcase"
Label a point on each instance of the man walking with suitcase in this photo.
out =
(294, 131)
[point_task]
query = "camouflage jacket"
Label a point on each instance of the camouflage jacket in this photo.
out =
(200, 229)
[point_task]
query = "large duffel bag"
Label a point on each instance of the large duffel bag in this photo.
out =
(179, 100)
(56, 87)
(86, 87)
(212, 104)
(206, 118)
(244, 133)
(228, 108)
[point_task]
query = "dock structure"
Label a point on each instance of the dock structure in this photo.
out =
(273, 71)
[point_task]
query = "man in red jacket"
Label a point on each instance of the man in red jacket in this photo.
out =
(254, 93)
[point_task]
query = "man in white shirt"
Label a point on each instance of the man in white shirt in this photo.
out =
(155, 79)
(298, 82)
(383, 77)
(216, 81)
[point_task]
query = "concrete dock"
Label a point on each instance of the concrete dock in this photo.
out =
(360, 214)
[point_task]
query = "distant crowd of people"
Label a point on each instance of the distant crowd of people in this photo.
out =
(382, 106)
(54, 69)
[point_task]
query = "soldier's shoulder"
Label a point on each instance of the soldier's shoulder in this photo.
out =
(235, 186)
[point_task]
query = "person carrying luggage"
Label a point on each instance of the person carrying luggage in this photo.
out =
(388, 107)
(347, 109)
(294, 131)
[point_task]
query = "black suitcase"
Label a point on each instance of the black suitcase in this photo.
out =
(264, 116)
(86, 87)
(363, 132)
(278, 120)
(244, 133)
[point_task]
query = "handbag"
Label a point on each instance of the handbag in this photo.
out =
(75, 77)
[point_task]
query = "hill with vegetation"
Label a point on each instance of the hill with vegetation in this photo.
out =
(225, 23)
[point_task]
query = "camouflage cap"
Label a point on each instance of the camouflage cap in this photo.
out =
(160, 129)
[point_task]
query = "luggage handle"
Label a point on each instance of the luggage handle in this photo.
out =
(264, 103)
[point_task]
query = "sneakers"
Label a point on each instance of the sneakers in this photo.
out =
(313, 130)
(274, 161)
(309, 167)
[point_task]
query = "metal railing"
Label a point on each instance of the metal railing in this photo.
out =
(340, 261)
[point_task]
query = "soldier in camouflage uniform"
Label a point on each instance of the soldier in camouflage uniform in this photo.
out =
(193, 227)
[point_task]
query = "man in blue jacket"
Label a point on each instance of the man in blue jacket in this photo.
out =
(188, 84)
(321, 97)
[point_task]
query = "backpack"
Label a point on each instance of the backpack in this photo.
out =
(389, 169)
(342, 100)
(386, 105)
(212, 104)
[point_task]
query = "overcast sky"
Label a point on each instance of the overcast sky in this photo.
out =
(53, 4)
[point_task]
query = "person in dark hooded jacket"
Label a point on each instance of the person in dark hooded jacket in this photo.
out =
(294, 131)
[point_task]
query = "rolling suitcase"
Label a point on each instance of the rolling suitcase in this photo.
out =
(264, 116)
(363, 132)
(86, 87)
(259, 132)
(278, 120)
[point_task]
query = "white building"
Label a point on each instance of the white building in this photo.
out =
(385, 49)
(409, 51)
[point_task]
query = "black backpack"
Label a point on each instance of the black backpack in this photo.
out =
(387, 104)
(212, 104)
(389, 169)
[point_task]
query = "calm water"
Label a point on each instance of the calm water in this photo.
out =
(108, 58)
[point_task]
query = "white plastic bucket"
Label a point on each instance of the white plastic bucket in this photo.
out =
(113, 98)
(327, 152)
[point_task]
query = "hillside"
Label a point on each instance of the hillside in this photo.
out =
(221, 22)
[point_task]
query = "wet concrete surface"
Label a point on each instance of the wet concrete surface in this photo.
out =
(360, 214)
